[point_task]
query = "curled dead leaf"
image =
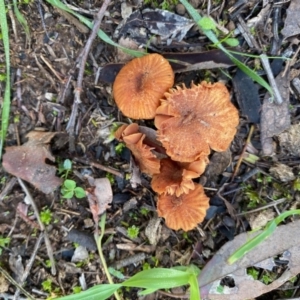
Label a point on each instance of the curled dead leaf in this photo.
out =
(28, 162)
(99, 196)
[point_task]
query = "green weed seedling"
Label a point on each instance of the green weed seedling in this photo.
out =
(47, 285)
(69, 189)
(150, 280)
(3, 243)
(133, 232)
(76, 289)
(46, 216)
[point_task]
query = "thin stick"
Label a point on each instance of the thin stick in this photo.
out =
(42, 226)
(29, 264)
(98, 166)
(12, 281)
(243, 151)
(265, 62)
(262, 208)
(78, 89)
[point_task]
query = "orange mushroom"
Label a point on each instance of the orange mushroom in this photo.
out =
(183, 212)
(191, 121)
(176, 178)
(119, 131)
(141, 84)
(147, 161)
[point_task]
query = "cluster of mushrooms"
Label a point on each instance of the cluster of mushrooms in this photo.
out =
(189, 121)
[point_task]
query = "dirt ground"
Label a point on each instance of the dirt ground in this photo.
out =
(260, 167)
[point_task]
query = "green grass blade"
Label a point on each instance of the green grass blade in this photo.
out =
(6, 101)
(101, 291)
(101, 34)
(21, 20)
(194, 288)
(254, 242)
(158, 278)
(213, 38)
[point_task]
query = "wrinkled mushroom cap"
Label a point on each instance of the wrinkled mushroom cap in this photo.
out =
(183, 212)
(141, 84)
(191, 121)
(176, 178)
(146, 160)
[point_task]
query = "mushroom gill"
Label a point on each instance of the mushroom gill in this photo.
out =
(133, 139)
(191, 121)
(177, 178)
(183, 212)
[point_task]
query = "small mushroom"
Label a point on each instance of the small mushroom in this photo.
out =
(176, 178)
(146, 160)
(191, 121)
(141, 84)
(183, 212)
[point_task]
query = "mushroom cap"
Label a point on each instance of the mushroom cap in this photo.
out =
(183, 212)
(141, 84)
(191, 121)
(176, 178)
(147, 161)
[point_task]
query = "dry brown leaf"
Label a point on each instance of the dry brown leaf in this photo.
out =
(28, 162)
(246, 287)
(275, 118)
(99, 196)
(292, 22)
(290, 140)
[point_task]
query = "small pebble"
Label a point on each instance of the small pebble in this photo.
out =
(195, 3)
(231, 26)
(180, 9)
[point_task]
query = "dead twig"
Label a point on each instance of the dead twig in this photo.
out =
(98, 166)
(83, 58)
(274, 203)
(243, 151)
(42, 226)
(265, 62)
(29, 264)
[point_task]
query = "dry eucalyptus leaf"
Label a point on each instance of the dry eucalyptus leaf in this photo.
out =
(282, 239)
(141, 26)
(275, 118)
(28, 162)
(4, 284)
(153, 230)
(129, 44)
(99, 196)
(292, 21)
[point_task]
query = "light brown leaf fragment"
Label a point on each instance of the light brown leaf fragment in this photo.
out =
(282, 172)
(282, 239)
(260, 219)
(153, 230)
(290, 140)
(292, 21)
(99, 197)
(275, 118)
(28, 162)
